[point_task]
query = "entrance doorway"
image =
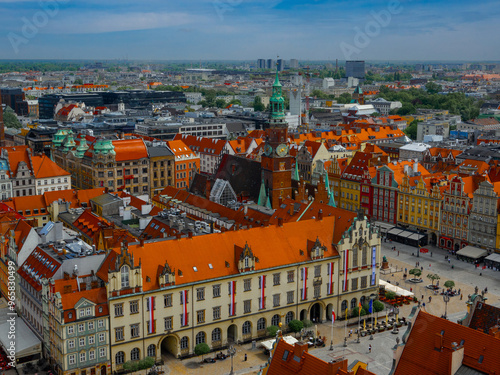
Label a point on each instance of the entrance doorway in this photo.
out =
(303, 314)
(232, 333)
(316, 313)
(103, 370)
(329, 309)
(169, 347)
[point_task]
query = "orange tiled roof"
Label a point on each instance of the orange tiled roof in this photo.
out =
(75, 197)
(287, 241)
(130, 149)
(421, 344)
(180, 149)
(37, 266)
(202, 144)
(43, 167)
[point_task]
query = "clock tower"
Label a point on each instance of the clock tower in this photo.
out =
(276, 162)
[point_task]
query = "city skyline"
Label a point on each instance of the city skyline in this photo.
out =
(247, 30)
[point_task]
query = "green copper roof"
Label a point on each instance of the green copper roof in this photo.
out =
(331, 201)
(268, 203)
(358, 90)
(262, 195)
(296, 176)
(277, 102)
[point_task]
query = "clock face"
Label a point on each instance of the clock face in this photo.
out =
(268, 149)
(282, 149)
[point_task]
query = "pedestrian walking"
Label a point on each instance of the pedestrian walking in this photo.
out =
(461, 296)
(459, 291)
(430, 299)
(411, 289)
(486, 290)
(245, 357)
(422, 296)
(369, 348)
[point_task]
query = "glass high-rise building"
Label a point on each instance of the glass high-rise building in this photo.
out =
(355, 68)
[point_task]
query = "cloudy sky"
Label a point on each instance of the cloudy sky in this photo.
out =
(250, 29)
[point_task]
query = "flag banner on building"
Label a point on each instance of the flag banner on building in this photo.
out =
(370, 309)
(262, 292)
(330, 282)
(151, 302)
(346, 268)
(359, 309)
(232, 295)
(185, 310)
(304, 283)
(333, 316)
(374, 265)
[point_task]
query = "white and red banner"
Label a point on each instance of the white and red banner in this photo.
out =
(330, 281)
(151, 303)
(346, 268)
(185, 310)
(333, 316)
(262, 292)
(304, 283)
(232, 295)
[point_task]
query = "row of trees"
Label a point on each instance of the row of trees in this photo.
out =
(413, 99)
(371, 77)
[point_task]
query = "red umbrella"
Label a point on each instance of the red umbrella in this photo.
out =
(424, 250)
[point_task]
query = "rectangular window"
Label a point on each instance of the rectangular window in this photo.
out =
(247, 306)
(71, 330)
(247, 285)
(200, 294)
(167, 300)
(91, 326)
(100, 323)
(91, 355)
(200, 316)
(119, 334)
(289, 297)
(276, 300)
(364, 281)
(168, 323)
(71, 344)
(354, 283)
(72, 359)
(102, 352)
(290, 276)
(216, 290)
(91, 340)
(182, 297)
(83, 357)
(81, 327)
(216, 312)
(317, 271)
(134, 330)
(317, 291)
(276, 279)
(119, 309)
(134, 307)
(101, 337)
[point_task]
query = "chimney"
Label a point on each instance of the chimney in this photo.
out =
(280, 201)
(438, 342)
(299, 349)
(320, 214)
(178, 235)
(291, 209)
(415, 167)
(141, 241)
(280, 221)
(190, 234)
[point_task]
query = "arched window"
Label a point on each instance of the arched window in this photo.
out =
(246, 328)
(364, 256)
(124, 276)
(216, 334)
(288, 317)
(134, 354)
(184, 342)
(152, 350)
(275, 320)
(354, 303)
(200, 337)
(247, 262)
(354, 257)
(120, 358)
(261, 324)
(344, 305)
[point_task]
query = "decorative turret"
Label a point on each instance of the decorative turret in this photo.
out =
(82, 147)
(277, 104)
(69, 143)
(58, 138)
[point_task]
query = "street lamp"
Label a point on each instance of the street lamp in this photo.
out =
(446, 299)
(231, 351)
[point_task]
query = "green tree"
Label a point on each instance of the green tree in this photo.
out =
(378, 306)
(406, 109)
(202, 349)
(272, 330)
(411, 130)
(390, 295)
(220, 103)
(258, 106)
(449, 284)
(433, 277)
(10, 119)
(78, 81)
(433, 88)
(235, 101)
(415, 272)
(344, 98)
(146, 363)
(295, 325)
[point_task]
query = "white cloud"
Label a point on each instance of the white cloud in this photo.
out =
(102, 23)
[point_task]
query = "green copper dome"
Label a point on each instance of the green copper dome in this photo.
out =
(277, 102)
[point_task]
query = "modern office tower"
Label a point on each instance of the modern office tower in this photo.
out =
(355, 69)
(281, 65)
(261, 63)
(294, 64)
(270, 64)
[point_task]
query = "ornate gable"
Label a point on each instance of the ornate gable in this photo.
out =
(167, 276)
(317, 250)
(246, 261)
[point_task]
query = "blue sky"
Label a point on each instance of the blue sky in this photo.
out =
(250, 29)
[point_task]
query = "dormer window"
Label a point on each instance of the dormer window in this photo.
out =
(247, 261)
(125, 276)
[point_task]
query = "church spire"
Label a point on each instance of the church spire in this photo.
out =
(296, 176)
(263, 198)
(277, 102)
